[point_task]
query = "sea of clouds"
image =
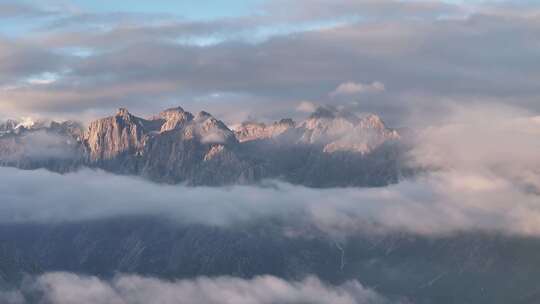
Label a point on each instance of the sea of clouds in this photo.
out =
(483, 173)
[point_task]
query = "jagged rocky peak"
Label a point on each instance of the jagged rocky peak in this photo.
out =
(31, 143)
(177, 146)
(211, 130)
(248, 131)
(174, 118)
(18, 127)
(123, 112)
(124, 115)
(68, 127)
(375, 122)
(367, 135)
(203, 115)
(109, 137)
(326, 124)
(27, 124)
(339, 130)
(8, 126)
(174, 112)
(372, 121)
(207, 122)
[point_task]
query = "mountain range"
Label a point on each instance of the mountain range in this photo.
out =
(329, 148)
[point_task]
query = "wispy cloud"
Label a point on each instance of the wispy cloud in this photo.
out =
(16, 9)
(65, 288)
(352, 88)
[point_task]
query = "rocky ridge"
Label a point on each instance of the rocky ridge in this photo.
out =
(32, 145)
(329, 148)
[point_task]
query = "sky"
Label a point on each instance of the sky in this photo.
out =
(408, 61)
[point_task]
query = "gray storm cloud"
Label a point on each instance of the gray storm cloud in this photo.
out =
(67, 288)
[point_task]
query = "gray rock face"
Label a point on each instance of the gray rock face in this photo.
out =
(330, 148)
(175, 146)
(117, 135)
(255, 131)
(174, 118)
(203, 151)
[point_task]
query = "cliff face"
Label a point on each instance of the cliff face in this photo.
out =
(330, 148)
(201, 150)
(174, 146)
(249, 131)
(121, 134)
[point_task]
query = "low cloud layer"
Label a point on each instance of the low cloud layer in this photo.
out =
(68, 288)
(497, 142)
(39, 145)
(481, 172)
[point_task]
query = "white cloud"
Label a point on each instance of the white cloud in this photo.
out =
(354, 88)
(487, 140)
(39, 145)
(484, 175)
(213, 138)
(306, 107)
(43, 79)
(11, 297)
(69, 288)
